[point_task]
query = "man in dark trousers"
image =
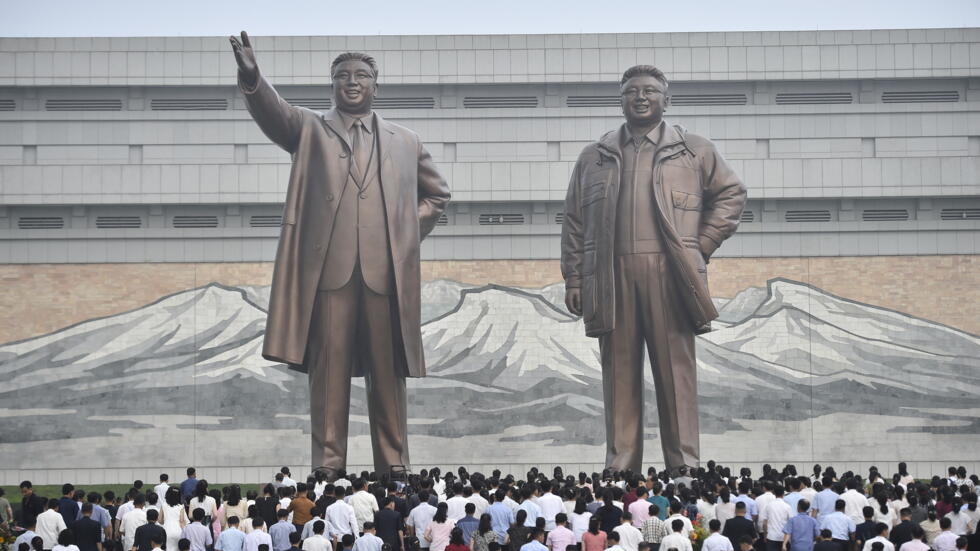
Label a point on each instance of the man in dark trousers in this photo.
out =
(145, 534)
(31, 504)
(346, 287)
(647, 206)
(88, 531)
(739, 526)
(390, 524)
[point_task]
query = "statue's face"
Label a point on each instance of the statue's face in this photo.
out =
(644, 100)
(354, 86)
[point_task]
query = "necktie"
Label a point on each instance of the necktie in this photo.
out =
(362, 148)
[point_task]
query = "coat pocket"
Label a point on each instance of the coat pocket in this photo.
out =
(686, 201)
(593, 191)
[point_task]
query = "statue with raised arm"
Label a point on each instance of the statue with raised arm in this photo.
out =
(345, 300)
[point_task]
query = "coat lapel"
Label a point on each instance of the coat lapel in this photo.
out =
(335, 123)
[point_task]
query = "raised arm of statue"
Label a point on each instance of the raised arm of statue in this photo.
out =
(279, 121)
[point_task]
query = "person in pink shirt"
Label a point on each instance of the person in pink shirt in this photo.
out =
(594, 539)
(640, 509)
(438, 532)
(561, 537)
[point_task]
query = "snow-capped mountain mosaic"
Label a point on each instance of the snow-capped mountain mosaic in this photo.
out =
(790, 373)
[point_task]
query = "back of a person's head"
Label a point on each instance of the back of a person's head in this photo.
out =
(612, 536)
(184, 544)
(295, 538)
(190, 472)
(803, 506)
(198, 514)
(961, 542)
(714, 525)
(881, 528)
(677, 525)
(945, 523)
(347, 540)
(257, 522)
(152, 515)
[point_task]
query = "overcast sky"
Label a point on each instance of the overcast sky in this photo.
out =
(309, 17)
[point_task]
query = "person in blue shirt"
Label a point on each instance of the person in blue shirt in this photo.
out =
(279, 532)
(187, 486)
(67, 505)
(800, 531)
(825, 499)
(231, 538)
(537, 541)
(469, 523)
(501, 517)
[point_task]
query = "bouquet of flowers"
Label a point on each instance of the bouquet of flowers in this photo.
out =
(7, 536)
(698, 535)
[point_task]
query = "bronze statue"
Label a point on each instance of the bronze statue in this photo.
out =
(646, 207)
(363, 193)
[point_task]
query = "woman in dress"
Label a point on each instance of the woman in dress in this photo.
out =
(579, 520)
(202, 500)
(456, 541)
(235, 506)
(268, 505)
(173, 518)
(517, 534)
(484, 535)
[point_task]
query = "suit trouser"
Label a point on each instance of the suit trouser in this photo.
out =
(350, 323)
(648, 310)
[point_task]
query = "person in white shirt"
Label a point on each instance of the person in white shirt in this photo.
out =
(133, 520)
(369, 541)
(161, 489)
(286, 480)
(945, 541)
(882, 537)
(476, 499)
(676, 539)
(675, 514)
(612, 539)
(774, 517)
(340, 518)
(420, 517)
(49, 524)
(854, 501)
(258, 536)
(629, 536)
(364, 504)
(761, 502)
(916, 543)
(456, 504)
(317, 542)
(550, 505)
(716, 541)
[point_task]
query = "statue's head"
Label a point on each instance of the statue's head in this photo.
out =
(644, 97)
(355, 82)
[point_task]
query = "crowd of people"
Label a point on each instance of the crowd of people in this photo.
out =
(706, 509)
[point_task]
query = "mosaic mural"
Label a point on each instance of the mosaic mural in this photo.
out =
(789, 372)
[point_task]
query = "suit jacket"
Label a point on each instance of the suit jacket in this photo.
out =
(414, 197)
(736, 527)
(88, 532)
(147, 531)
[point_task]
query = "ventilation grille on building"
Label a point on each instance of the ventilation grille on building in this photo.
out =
(175, 104)
(501, 219)
(960, 214)
(920, 97)
(40, 222)
(747, 216)
(317, 104)
(560, 218)
(6, 105)
(83, 105)
(195, 221)
(499, 102)
(265, 221)
(404, 103)
(708, 99)
(808, 216)
(443, 220)
(884, 215)
(592, 101)
(813, 98)
(118, 222)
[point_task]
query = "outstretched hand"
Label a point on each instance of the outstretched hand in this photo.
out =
(245, 57)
